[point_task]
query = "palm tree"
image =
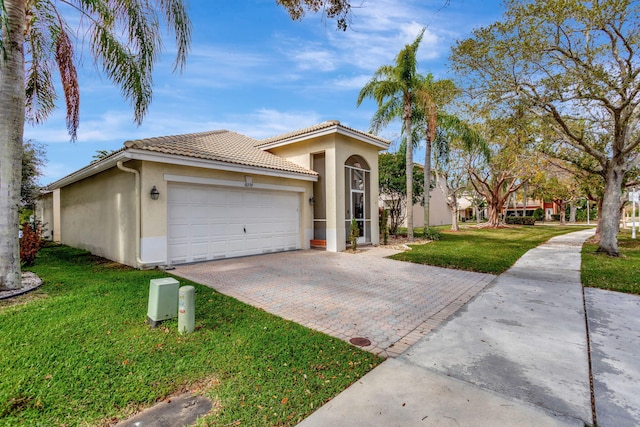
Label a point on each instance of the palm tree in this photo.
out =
(124, 38)
(393, 88)
(431, 96)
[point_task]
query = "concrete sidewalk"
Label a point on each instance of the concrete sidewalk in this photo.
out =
(614, 331)
(515, 355)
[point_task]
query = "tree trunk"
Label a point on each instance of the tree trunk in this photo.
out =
(572, 213)
(409, 170)
(494, 213)
(427, 181)
(454, 214)
(610, 216)
(563, 212)
(12, 100)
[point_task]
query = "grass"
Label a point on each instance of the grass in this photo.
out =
(620, 274)
(484, 250)
(78, 352)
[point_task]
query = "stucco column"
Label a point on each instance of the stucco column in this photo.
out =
(373, 202)
(334, 182)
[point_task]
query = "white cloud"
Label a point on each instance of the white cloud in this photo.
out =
(350, 83)
(265, 122)
(377, 33)
(322, 60)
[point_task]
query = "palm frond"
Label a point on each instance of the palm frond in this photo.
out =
(124, 38)
(42, 30)
(386, 113)
(69, 78)
(176, 15)
(124, 68)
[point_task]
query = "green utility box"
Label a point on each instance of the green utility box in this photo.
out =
(163, 300)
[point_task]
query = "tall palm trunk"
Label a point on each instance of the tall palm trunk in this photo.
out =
(409, 170)
(430, 134)
(12, 100)
(427, 181)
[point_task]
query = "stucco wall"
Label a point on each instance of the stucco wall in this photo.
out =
(44, 214)
(98, 214)
(439, 212)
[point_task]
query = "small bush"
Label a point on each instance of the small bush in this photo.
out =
(354, 233)
(30, 243)
(520, 220)
(555, 217)
(384, 227)
(538, 214)
(432, 234)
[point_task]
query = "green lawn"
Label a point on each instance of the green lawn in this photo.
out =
(484, 250)
(78, 352)
(617, 274)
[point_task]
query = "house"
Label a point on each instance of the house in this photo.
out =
(518, 208)
(211, 195)
(439, 212)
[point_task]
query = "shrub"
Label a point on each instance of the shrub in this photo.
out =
(520, 220)
(30, 243)
(432, 234)
(384, 227)
(538, 214)
(354, 233)
(555, 217)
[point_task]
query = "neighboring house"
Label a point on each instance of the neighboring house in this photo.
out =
(549, 208)
(218, 194)
(439, 213)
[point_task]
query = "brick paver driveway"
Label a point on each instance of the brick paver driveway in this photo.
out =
(391, 303)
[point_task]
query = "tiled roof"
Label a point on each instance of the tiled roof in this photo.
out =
(219, 145)
(316, 128)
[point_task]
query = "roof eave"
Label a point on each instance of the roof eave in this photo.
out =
(152, 156)
(145, 155)
(336, 128)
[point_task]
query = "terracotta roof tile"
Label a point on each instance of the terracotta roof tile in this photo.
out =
(218, 145)
(315, 128)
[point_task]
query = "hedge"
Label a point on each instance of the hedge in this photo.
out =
(520, 220)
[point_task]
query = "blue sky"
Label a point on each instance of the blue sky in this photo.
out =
(254, 71)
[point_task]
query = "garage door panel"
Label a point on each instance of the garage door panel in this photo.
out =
(218, 214)
(234, 197)
(181, 250)
(209, 222)
(219, 229)
(178, 230)
(179, 211)
(199, 211)
(199, 230)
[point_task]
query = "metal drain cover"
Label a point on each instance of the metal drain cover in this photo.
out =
(360, 342)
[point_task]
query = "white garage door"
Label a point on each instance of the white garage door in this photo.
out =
(208, 222)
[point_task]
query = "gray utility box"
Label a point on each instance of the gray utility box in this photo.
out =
(163, 300)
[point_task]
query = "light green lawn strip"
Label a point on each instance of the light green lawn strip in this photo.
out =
(80, 353)
(484, 250)
(620, 274)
